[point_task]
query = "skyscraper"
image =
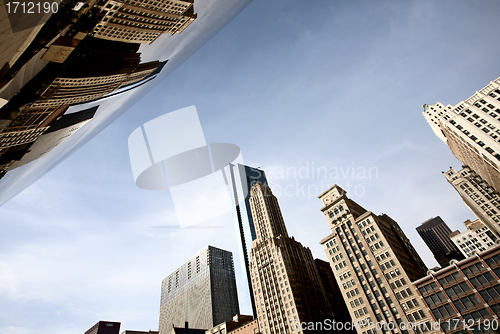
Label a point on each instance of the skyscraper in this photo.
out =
(475, 239)
(436, 235)
(471, 129)
(248, 177)
(480, 197)
(286, 283)
(374, 263)
(202, 292)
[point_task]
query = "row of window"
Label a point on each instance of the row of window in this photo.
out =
(352, 293)
(403, 293)
(360, 312)
(356, 302)
(409, 304)
(491, 293)
(348, 284)
(443, 312)
(388, 265)
(398, 283)
(334, 250)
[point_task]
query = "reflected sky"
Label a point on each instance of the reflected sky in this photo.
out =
(212, 16)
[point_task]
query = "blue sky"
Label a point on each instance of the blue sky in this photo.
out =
(295, 84)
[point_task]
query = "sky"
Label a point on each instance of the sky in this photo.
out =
(297, 85)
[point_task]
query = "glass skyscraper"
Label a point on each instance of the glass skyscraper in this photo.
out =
(250, 176)
(202, 292)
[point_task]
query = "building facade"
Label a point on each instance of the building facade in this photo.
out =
(436, 235)
(202, 292)
(478, 195)
(142, 21)
(471, 129)
(374, 264)
(465, 297)
(477, 238)
(286, 283)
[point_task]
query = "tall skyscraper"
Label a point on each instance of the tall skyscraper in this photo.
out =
(465, 293)
(248, 177)
(475, 239)
(436, 235)
(480, 197)
(471, 129)
(374, 263)
(202, 292)
(286, 283)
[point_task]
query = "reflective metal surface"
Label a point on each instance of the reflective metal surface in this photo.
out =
(69, 69)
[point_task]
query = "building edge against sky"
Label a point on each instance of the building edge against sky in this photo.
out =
(471, 129)
(374, 263)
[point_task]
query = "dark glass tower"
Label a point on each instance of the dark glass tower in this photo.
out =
(202, 292)
(250, 176)
(436, 235)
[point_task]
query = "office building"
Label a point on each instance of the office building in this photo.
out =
(251, 327)
(478, 195)
(286, 283)
(226, 327)
(374, 264)
(202, 292)
(333, 294)
(142, 21)
(465, 293)
(105, 327)
(248, 177)
(477, 238)
(471, 129)
(436, 235)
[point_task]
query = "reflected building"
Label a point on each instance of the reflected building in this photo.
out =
(99, 69)
(45, 69)
(142, 21)
(201, 292)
